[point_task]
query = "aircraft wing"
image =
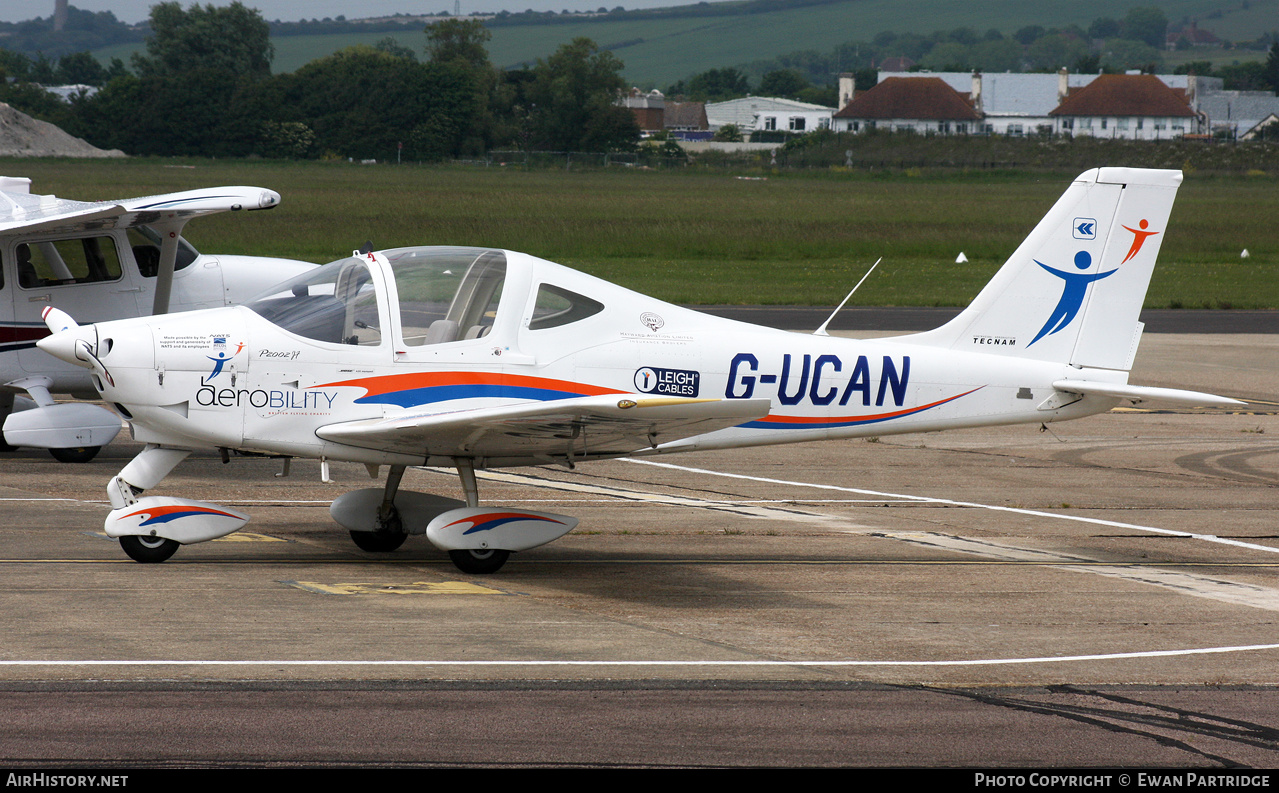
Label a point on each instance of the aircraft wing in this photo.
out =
(47, 213)
(44, 213)
(192, 203)
(607, 425)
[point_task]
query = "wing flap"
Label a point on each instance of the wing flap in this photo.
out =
(611, 424)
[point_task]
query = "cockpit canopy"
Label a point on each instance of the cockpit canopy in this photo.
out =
(441, 295)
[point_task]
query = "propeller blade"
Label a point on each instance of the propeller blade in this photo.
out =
(57, 320)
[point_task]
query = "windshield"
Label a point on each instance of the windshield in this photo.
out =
(336, 304)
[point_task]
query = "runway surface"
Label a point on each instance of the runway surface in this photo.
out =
(1102, 594)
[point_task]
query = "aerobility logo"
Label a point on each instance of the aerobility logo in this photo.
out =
(1075, 284)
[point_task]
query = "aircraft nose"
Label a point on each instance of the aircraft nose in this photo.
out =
(64, 344)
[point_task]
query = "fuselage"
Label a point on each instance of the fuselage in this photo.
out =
(233, 378)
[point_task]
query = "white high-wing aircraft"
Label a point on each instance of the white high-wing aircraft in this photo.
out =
(103, 260)
(475, 358)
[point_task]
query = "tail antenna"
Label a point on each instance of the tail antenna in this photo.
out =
(822, 330)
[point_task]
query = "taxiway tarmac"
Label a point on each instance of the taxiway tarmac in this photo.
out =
(1104, 593)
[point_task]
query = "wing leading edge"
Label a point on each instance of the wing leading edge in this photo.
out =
(592, 426)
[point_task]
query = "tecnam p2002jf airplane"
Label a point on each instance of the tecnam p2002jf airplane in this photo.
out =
(474, 358)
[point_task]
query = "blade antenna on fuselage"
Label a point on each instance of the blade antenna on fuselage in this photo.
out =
(366, 248)
(822, 330)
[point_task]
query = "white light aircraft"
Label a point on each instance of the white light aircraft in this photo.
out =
(474, 358)
(103, 260)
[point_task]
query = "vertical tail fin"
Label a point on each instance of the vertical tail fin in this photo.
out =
(1073, 289)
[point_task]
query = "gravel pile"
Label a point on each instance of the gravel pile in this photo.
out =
(23, 136)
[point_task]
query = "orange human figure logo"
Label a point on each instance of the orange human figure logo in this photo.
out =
(1139, 236)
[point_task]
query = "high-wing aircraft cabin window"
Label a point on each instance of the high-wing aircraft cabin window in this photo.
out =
(64, 262)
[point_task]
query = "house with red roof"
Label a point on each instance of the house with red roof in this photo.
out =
(918, 104)
(1130, 106)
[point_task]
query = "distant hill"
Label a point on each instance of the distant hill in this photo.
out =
(661, 46)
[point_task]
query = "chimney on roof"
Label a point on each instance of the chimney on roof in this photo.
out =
(1063, 85)
(847, 86)
(976, 94)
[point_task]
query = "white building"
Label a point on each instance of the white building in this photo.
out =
(766, 114)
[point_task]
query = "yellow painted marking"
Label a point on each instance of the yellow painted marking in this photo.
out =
(248, 536)
(416, 588)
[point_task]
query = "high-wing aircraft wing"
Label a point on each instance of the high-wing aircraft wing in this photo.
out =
(47, 213)
(567, 428)
(26, 212)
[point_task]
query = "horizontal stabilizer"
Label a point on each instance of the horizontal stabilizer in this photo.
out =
(609, 424)
(1137, 393)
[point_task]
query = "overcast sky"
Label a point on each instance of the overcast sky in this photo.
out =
(292, 10)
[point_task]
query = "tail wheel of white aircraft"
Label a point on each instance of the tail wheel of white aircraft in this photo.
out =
(148, 550)
(479, 562)
(378, 541)
(79, 454)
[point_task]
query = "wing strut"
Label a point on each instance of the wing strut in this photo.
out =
(170, 232)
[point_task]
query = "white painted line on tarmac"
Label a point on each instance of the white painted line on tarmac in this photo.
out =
(625, 494)
(928, 500)
(1201, 586)
(615, 663)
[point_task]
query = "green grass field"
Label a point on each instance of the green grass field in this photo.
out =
(705, 237)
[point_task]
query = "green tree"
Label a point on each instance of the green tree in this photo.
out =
(205, 38)
(729, 133)
(1271, 72)
(460, 45)
(1053, 51)
(360, 102)
(80, 69)
(718, 84)
(786, 83)
(1121, 54)
(1104, 28)
(1146, 24)
(574, 94)
(463, 40)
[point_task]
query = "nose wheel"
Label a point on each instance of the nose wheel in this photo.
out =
(148, 550)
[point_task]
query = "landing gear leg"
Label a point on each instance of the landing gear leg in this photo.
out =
(475, 561)
(390, 532)
(143, 473)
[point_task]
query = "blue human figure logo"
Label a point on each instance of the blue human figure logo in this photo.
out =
(1072, 295)
(218, 363)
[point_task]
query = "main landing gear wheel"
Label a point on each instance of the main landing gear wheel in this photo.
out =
(148, 550)
(479, 562)
(79, 454)
(378, 541)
